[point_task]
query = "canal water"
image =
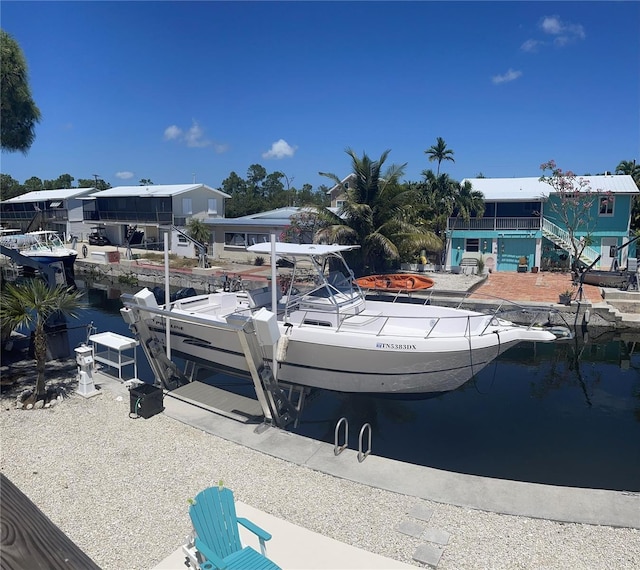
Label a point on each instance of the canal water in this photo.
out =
(566, 413)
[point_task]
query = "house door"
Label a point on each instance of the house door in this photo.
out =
(608, 252)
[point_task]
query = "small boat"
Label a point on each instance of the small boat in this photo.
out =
(614, 279)
(395, 282)
(328, 334)
(42, 247)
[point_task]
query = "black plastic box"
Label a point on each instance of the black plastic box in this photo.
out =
(145, 400)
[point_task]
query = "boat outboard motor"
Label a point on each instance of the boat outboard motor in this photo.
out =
(183, 293)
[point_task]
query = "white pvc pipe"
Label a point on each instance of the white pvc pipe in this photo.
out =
(274, 292)
(167, 293)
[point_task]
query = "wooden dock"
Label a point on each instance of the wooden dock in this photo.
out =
(30, 541)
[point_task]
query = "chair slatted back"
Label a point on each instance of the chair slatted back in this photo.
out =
(214, 519)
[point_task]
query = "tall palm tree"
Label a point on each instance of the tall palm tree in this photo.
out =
(374, 214)
(439, 152)
(442, 198)
(32, 303)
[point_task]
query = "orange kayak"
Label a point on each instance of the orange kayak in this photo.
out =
(395, 282)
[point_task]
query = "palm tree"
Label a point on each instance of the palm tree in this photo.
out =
(439, 152)
(375, 215)
(442, 198)
(631, 168)
(199, 231)
(32, 303)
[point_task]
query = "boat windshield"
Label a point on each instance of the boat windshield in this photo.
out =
(326, 279)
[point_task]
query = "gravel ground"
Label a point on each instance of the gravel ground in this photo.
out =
(118, 487)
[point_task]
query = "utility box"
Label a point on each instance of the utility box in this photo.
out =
(145, 400)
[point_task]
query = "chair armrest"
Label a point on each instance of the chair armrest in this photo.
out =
(262, 535)
(215, 560)
(254, 528)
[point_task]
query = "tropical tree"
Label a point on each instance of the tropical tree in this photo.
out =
(19, 112)
(439, 152)
(31, 304)
(374, 215)
(199, 231)
(444, 198)
(631, 168)
(572, 203)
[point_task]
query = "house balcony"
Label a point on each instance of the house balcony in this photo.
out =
(496, 224)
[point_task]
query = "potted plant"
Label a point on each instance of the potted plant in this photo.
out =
(565, 297)
(480, 266)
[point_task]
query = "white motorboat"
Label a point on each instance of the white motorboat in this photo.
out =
(44, 247)
(330, 337)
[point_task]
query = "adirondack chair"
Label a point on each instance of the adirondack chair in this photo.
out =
(215, 542)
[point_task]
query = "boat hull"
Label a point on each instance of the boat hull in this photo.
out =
(374, 365)
(613, 279)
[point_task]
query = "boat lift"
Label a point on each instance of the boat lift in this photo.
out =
(280, 406)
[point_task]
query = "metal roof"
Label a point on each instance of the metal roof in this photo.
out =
(46, 195)
(154, 190)
(531, 188)
(280, 217)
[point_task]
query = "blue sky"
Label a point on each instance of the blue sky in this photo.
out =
(173, 90)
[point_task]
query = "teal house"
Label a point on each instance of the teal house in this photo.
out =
(520, 231)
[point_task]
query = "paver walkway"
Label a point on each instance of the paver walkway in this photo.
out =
(543, 287)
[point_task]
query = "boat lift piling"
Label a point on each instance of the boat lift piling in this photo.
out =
(276, 401)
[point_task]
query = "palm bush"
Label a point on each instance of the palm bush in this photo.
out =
(31, 304)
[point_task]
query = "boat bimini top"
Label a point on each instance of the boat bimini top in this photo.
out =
(300, 249)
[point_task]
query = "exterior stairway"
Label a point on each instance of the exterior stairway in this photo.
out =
(561, 238)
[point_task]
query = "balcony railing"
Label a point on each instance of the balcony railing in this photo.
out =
(164, 218)
(496, 224)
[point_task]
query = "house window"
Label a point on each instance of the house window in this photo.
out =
(182, 241)
(187, 206)
(253, 239)
(212, 206)
(472, 244)
(339, 203)
(235, 239)
(606, 205)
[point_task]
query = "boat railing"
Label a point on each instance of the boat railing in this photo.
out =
(507, 305)
(468, 325)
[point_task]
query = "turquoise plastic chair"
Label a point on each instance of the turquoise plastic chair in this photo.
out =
(216, 541)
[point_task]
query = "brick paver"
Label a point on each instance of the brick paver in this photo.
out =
(543, 287)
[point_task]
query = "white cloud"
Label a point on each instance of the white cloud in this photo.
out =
(172, 132)
(124, 175)
(551, 25)
(510, 75)
(280, 149)
(194, 137)
(531, 45)
(562, 32)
